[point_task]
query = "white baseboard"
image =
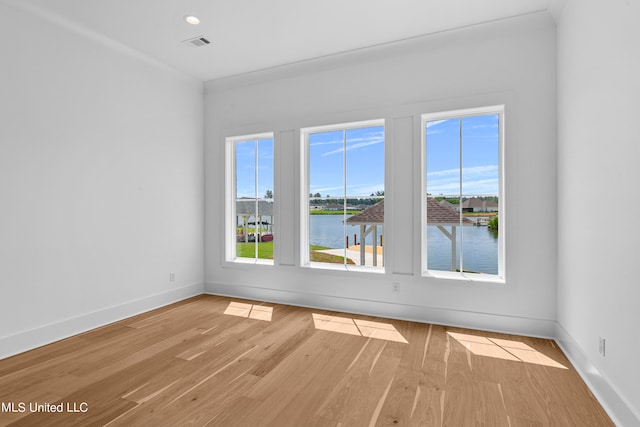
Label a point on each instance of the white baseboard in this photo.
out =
(619, 410)
(465, 319)
(33, 338)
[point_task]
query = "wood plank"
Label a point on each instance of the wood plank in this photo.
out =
(460, 395)
(362, 391)
(291, 392)
(198, 363)
(281, 339)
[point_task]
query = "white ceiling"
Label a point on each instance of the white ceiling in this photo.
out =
(250, 35)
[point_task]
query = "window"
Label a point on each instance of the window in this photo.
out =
(343, 196)
(463, 211)
(249, 208)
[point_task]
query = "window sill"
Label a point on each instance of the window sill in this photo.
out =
(465, 277)
(342, 267)
(250, 261)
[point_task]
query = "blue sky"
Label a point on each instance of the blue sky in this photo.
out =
(365, 160)
(479, 156)
(246, 166)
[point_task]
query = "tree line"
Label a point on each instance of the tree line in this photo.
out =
(374, 198)
(456, 200)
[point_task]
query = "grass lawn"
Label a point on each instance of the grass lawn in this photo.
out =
(248, 250)
(265, 251)
(322, 257)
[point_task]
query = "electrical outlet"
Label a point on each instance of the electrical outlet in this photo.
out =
(395, 287)
(172, 277)
(601, 346)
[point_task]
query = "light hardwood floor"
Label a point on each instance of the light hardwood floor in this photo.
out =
(219, 361)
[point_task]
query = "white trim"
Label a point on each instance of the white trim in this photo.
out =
(252, 261)
(305, 260)
(52, 332)
(229, 192)
(347, 267)
(467, 277)
(341, 126)
(613, 402)
(230, 255)
(455, 114)
(541, 328)
(305, 256)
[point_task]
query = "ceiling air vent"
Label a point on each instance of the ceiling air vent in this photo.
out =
(196, 42)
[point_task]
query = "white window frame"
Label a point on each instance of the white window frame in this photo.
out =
(304, 194)
(455, 114)
(230, 199)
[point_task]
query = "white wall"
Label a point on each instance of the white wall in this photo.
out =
(598, 235)
(101, 182)
(512, 62)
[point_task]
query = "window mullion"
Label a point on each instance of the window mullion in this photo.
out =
(460, 249)
(324, 141)
(480, 185)
(344, 185)
(255, 216)
(243, 158)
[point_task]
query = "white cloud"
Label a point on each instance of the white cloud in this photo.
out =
(364, 190)
(371, 138)
(476, 180)
(490, 126)
(326, 143)
(434, 123)
(476, 170)
(352, 190)
(354, 147)
(480, 187)
(325, 190)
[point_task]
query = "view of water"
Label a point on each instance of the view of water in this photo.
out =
(480, 250)
(328, 231)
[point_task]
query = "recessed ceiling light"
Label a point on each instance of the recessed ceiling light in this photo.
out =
(193, 20)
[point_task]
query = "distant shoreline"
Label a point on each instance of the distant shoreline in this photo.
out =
(326, 212)
(354, 212)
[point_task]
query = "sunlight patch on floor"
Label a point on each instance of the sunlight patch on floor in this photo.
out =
(251, 311)
(504, 349)
(364, 328)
